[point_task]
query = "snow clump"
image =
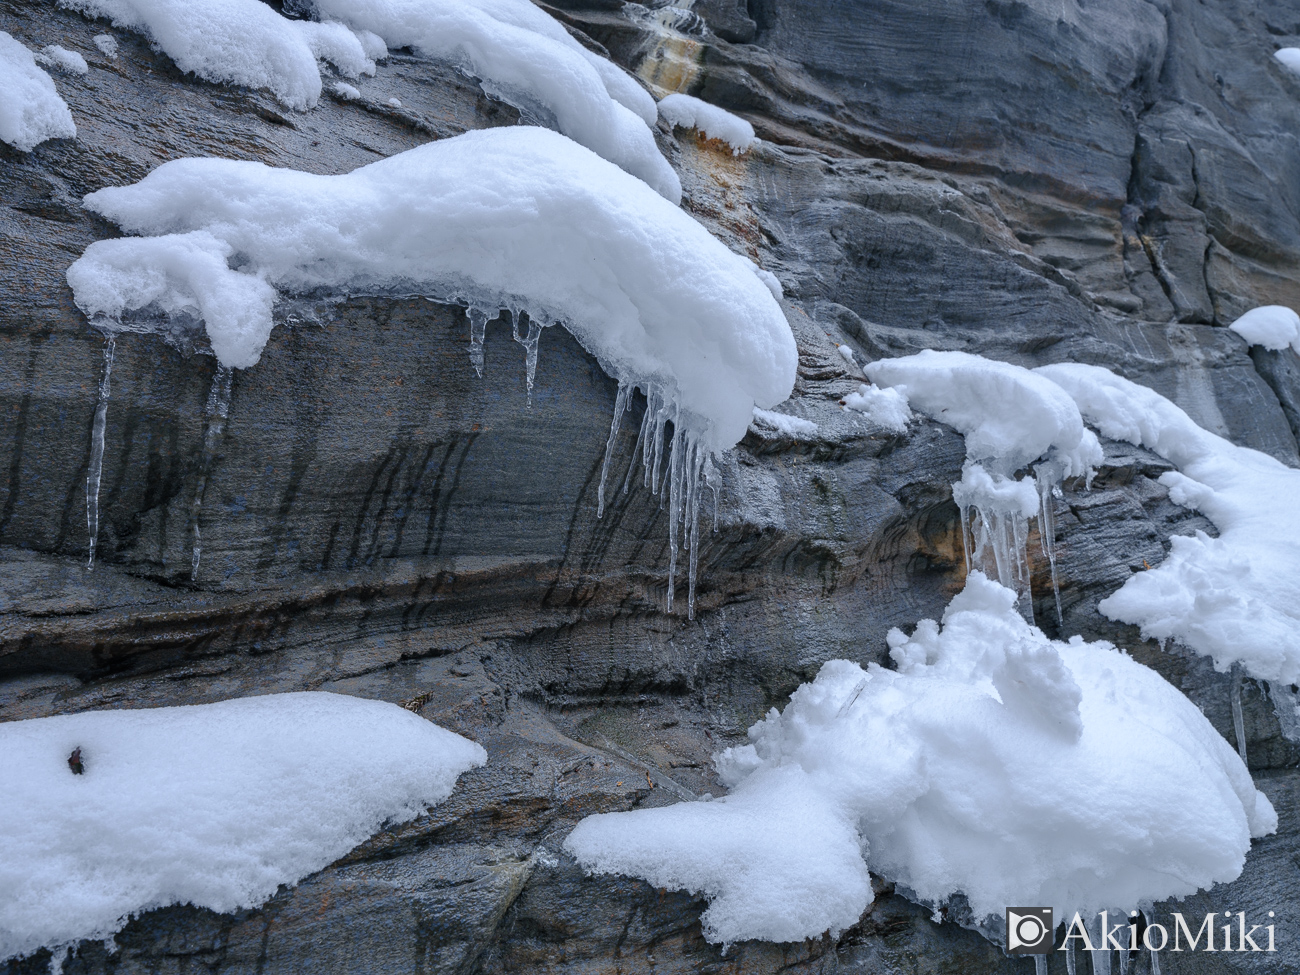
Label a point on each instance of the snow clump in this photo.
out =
(345, 91)
(993, 762)
(515, 218)
(107, 814)
(63, 59)
(794, 427)
(710, 121)
(31, 110)
(1290, 58)
(107, 44)
(526, 57)
(1235, 598)
(886, 407)
(1272, 326)
(244, 42)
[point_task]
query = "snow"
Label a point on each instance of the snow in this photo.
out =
(395, 102)
(243, 42)
(31, 110)
(993, 762)
(784, 423)
(1235, 598)
(887, 407)
(519, 218)
(63, 59)
(107, 44)
(1272, 326)
(527, 58)
(1290, 57)
(847, 354)
(215, 805)
(772, 282)
(345, 91)
(710, 121)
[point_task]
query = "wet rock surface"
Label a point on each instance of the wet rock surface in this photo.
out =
(1108, 182)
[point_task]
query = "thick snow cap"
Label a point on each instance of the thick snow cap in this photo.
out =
(1272, 326)
(1009, 416)
(1235, 598)
(512, 217)
(214, 805)
(993, 761)
(31, 110)
(709, 120)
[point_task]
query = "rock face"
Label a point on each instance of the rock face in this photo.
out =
(1034, 180)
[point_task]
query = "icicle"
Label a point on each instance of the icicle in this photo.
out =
(1040, 965)
(639, 445)
(674, 507)
(215, 414)
(967, 542)
(477, 332)
(1100, 956)
(1047, 533)
(95, 472)
(1238, 722)
(530, 347)
(620, 405)
(693, 523)
(1154, 955)
(661, 418)
(1069, 959)
(1123, 957)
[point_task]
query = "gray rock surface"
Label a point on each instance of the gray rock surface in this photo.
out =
(1108, 182)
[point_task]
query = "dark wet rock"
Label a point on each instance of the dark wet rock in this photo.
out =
(1109, 182)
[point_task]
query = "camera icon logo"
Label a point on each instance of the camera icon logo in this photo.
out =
(1029, 930)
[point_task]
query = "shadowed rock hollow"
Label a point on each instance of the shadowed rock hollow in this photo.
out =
(1108, 182)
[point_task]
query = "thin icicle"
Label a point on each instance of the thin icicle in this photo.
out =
(215, 413)
(1155, 955)
(1238, 721)
(674, 505)
(661, 418)
(1100, 956)
(95, 472)
(693, 523)
(1047, 534)
(1040, 965)
(638, 446)
(620, 405)
(1069, 959)
(477, 332)
(530, 347)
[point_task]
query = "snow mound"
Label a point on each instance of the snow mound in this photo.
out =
(345, 91)
(215, 805)
(517, 218)
(244, 42)
(63, 59)
(710, 121)
(526, 57)
(1290, 57)
(1272, 326)
(887, 407)
(1009, 416)
(994, 762)
(783, 423)
(1235, 598)
(31, 110)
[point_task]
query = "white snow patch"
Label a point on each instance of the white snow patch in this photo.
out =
(1235, 598)
(244, 42)
(994, 762)
(107, 44)
(63, 59)
(526, 57)
(1290, 57)
(791, 426)
(215, 805)
(343, 90)
(518, 218)
(709, 120)
(395, 102)
(847, 354)
(768, 278)
(31, 110)
(1272, 326)
(887, 407)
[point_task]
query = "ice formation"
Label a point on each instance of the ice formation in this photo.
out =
(1235, 598)
(783, 423)
(95, 471)
(1272, 326)
(107, 44)
(1011, 418)
(993, 762)
(887, 407)
(214, 415)
(710, 121)
(31, 110)
(519, 219)
(63, 59)
(244, 42)
(1290, 57)
(215, 805)
(526, 57)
